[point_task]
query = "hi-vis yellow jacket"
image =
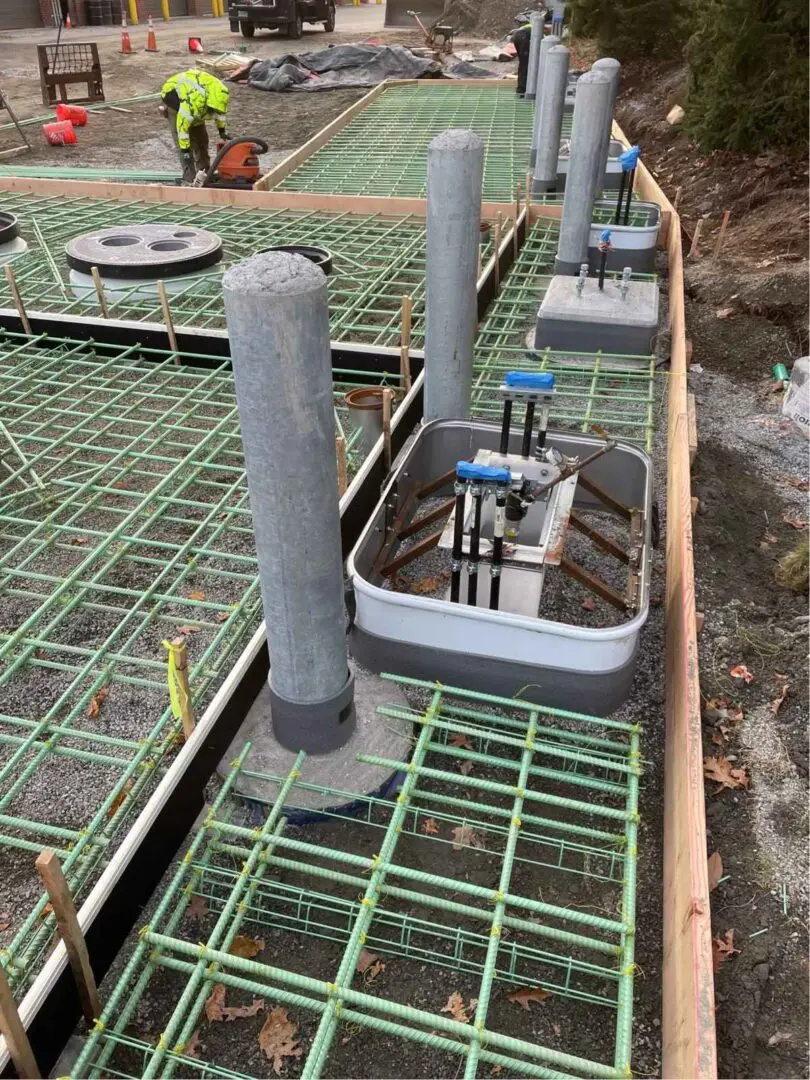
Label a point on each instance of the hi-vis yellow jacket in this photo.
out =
(198, 96)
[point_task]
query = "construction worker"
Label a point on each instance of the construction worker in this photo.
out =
(189, 98)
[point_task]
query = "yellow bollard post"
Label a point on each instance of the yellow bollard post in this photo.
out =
(164, 7)
(133, 12)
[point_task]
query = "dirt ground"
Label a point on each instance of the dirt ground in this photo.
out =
(746, 312)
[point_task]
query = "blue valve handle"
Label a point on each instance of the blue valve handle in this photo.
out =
(629, 159)
(524, 380)
(490, 474)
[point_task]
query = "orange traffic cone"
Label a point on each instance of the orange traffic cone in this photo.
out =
(68, 23)
(195, 45)
(126, 44)
(151, 40)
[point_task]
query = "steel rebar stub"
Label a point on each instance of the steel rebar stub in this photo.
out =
(144, 251)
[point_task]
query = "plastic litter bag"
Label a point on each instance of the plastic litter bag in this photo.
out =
(797, 398)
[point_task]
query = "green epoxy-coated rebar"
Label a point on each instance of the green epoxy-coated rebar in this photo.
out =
(139, 526)
(608, 392)
(376, 260)
(265, 879)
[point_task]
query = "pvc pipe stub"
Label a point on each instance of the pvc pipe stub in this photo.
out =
(9, 227)
(318, 255)
(315, 726)
(144, 251)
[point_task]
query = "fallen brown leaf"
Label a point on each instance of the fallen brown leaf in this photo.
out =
(246, 947)
(798, 482)
(46, 911)
(78, 541)
(96, 701)
(589, 603)
(720, 734)
(193, 1045)
(715, 868)
(769, 538)
(776, 704)
(5, 921)
(526, 994)
(197, 908)
(277, 1038)
(721, 770)
(740, 671)
(223, 616)
(185, 630)
(429, 827)
(722, 949)
(365, 960)
(429, 584)
(458, 1010)
(119, 798)
(465, 836)
(235, 1012)
(216, 1009)
(795, 522)
(457, 739)
(196, 594)
(466, 767)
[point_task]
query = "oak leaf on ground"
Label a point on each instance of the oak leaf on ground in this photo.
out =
(197, 908)
(246, 947)
(776, 704)
(740, 671)
(277, 1038)
(429, 827)
(715, 868)
(722, 949)
(370, 965)
(465, 836)
(193, 1045)
(721, 770)
(458, 1010)
(96, 701)
(216, 1009)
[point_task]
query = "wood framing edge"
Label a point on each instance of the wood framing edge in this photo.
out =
(293, 160)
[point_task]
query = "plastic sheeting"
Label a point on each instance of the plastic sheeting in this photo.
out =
(352, 65)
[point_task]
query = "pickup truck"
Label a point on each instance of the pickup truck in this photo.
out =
(286, 16)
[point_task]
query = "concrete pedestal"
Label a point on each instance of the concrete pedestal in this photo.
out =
(598, 319)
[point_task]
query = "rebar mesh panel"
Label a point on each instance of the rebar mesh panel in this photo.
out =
(516, 871)
(124, 521)
(376, 260)
(599, 391)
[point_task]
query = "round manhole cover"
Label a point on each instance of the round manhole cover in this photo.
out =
(144, 251)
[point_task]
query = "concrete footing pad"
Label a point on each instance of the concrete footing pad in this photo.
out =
(340, 770)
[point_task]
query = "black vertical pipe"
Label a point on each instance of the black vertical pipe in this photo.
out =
(618, 213)
(541, 436)
(527, 429)
(458, 545)
(497, 547)
(602, 265)
(505, 425)
(629, 196)
(475, 539)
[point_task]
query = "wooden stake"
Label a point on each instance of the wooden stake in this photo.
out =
(179, 652)
(528, 199)
(388, 397)
(50, 870)
(677, 198)
(496, 240)
(405, 342)
(167, 318)
(342, 468)
(721, 235)
(517, 215)
(102, 300)
(15, 296)
(693, 250)
(13, 1032)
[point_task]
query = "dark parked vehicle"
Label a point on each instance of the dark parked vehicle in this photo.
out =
(286, 16)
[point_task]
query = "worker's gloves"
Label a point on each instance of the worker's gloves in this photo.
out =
(189, 172)
(224, 137)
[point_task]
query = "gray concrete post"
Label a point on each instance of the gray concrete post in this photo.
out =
(455, 172)
(551, 115)
(278, 324)
(537, 21)
(546, 45)
(612, 68)
(590, 116)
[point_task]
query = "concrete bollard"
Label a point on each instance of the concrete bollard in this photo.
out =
(546, 45)
(551, 114)
(612, 68)
(590, 117)
(537, 21)
(278, 324)
(455, 171)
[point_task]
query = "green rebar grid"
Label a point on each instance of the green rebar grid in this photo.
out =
(138, 525)
(366, 889)
(593, 390)
(376, 260)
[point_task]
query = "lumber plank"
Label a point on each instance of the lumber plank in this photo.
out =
(12, 1030)
(691, 414)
